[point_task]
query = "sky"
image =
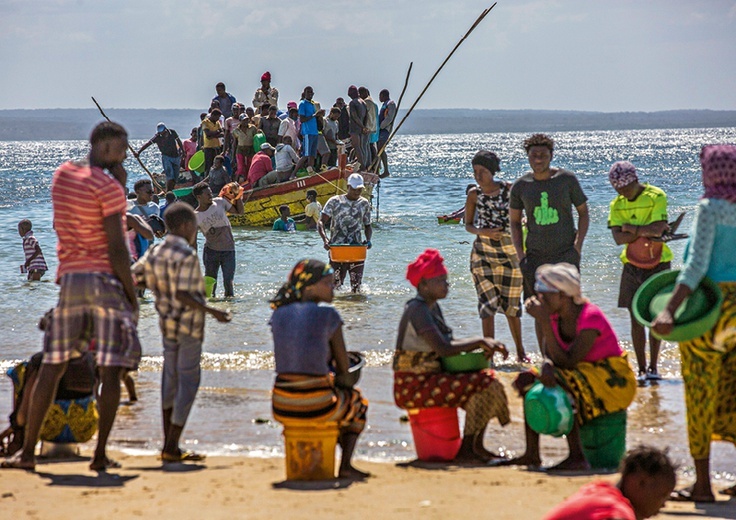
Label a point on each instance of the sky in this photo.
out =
(591, 55)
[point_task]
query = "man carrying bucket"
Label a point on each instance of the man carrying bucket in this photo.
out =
(346, 215)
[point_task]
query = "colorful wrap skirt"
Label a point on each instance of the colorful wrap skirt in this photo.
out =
(68, 420)
(316, 399)
(709, 373)
(497, 277)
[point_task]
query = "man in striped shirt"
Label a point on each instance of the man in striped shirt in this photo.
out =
(97, 297)
(171, 270)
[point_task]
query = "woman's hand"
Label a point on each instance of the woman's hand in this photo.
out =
(547, 377)
(664, 323)
(491, 346)
(536, 309)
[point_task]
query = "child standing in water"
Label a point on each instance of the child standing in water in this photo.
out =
(35, 264)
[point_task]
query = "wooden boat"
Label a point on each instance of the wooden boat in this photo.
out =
(261, 205)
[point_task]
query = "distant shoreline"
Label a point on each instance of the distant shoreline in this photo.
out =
(72, 124)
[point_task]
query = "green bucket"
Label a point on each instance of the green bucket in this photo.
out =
(258, 140)
(196, 163)
(548, 410)
(209, 285)
(604, 440)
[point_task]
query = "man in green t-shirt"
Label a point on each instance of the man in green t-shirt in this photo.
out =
(637, 216)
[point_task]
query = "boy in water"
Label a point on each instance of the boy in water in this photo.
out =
(35, 264)
(285, 222)
(171, 270)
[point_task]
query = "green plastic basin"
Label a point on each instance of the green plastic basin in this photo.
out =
(464, 362)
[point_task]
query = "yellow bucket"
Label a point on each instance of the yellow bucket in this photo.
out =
(310, 450)
(209, 286)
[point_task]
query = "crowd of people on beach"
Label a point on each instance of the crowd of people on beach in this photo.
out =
(529, 239)
(263, 143)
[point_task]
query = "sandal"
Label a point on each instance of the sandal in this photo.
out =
(182, 456)
(686, 495)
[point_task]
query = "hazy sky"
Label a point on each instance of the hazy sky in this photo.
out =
(615, 55)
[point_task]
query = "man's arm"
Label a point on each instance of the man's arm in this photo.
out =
(323, 221)
(180, 145)
(145, 145)
(583, 223)
(517, 234)
(354, 119)
(119, 256)
(237, 208)
(390, 116)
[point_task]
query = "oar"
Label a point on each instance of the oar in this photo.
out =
(376, 162)
(472, 28)
(156, 184)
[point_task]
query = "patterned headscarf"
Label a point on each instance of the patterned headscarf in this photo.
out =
(622, 174)
(562, 277)
(427, 265)
(719, 171)
(305, 273)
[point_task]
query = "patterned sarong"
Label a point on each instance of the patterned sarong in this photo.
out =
(599, 388)
(316, 398)
(709, 373)
(497, 277)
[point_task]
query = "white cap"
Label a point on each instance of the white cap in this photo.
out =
(355, 181)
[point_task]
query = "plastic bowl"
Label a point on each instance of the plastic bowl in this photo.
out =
(464, 362)
(697, 314)
(357, 362)
(196, 162)
(182, 192)
(347, 253)
(548, 410)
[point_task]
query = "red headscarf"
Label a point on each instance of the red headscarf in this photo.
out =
(266, 76)
(427, 265)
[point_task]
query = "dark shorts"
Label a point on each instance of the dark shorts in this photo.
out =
(632, 278)
(92, 305)
(531, 262)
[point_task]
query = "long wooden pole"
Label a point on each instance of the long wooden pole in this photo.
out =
(155, 183)
(472, 28)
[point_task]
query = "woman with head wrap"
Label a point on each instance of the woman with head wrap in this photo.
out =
(709, 362)
(423, 338)
(582, 355)
(307, 339)
(493, 262)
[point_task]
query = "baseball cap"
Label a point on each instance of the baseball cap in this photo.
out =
(160, 127)
(291, 104)
(267, 146)
(355, 181)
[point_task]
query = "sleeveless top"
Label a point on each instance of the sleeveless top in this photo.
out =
(493, 211)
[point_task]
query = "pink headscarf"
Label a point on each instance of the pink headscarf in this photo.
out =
(266, 76)
(719, 171)
(427, 265)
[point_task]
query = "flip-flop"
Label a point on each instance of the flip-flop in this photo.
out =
(184, 456)
(686, 495)
(17, 464)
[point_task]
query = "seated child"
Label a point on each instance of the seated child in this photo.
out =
(647, 479)
(424, 337)
(286, 160)
(582, 355)
(307, 337)
(219, 175)
(35, 264)
(285, 222)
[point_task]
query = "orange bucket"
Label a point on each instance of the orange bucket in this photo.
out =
(346, 253)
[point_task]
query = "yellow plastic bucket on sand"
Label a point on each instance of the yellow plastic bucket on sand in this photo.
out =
(310, 450)
(209, 286)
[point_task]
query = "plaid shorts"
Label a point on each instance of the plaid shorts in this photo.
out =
(496, 276)
(92, 305)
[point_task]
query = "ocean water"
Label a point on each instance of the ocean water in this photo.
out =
(429, 176)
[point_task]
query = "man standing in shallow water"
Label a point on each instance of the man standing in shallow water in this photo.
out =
(546, 197)
(96, 287)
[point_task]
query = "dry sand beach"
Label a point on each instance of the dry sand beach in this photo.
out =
(240, 487)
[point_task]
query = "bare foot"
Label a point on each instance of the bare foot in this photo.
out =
(524, 460)
(104, 464)
(571, 465)
(353, 473)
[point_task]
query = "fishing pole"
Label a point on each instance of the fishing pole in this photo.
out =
(155, 183)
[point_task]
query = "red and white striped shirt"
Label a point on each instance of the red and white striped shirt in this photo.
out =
(83, 196)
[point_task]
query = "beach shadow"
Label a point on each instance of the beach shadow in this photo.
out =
(172, 467)
(314, 485)
(438, 466)
(721, 510)
(101, 480)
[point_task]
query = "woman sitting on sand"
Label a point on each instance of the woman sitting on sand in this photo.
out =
(582, 355)
(307, 337)
(424, 337)
(709, 362)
